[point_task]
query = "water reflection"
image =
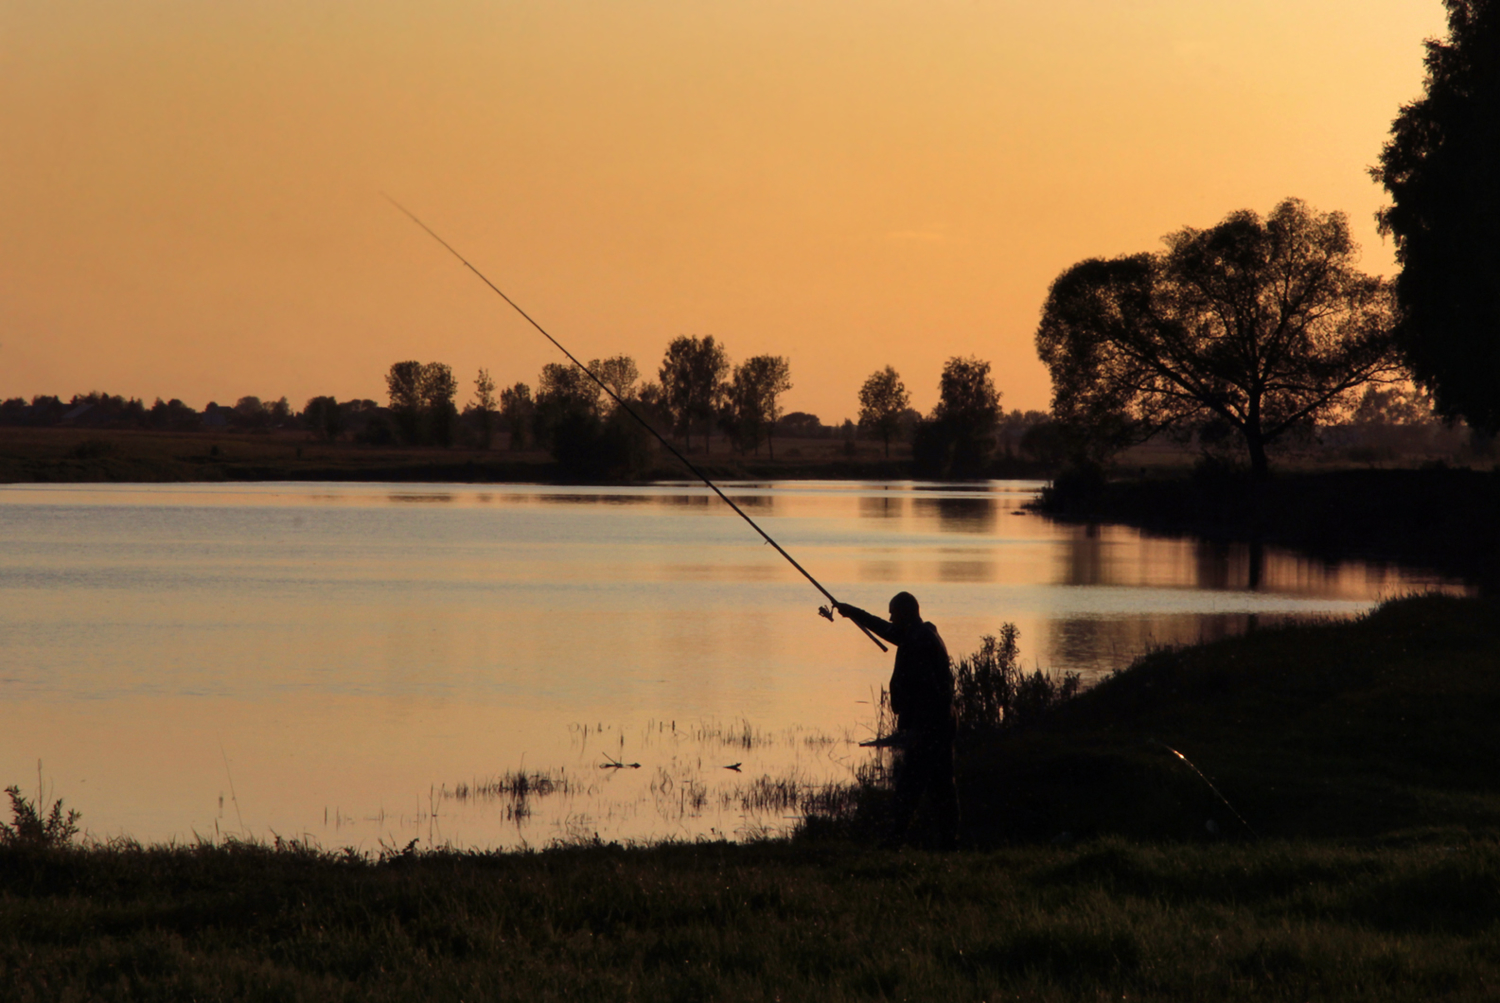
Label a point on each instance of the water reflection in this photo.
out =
(1095, 645)
(1084, 557)
(882, 506)
(1115, 556)
(1230, 565)
(878, 570)
(407, 498)
(970, 567)
(760, 502)
(961, 515)
(594, 499)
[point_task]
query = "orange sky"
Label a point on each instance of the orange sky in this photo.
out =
(189, 191)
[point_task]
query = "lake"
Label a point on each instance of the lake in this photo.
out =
(368, 664)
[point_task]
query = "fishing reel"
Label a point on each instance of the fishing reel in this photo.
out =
(826, 612)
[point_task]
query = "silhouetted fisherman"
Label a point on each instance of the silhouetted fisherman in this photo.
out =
(922, 697)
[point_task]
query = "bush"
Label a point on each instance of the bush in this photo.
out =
(31, 830)
(991, 691)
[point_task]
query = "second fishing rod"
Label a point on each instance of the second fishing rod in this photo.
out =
(826, 612)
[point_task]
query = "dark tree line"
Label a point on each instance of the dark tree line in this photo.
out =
(698, 389)
(964, 433)
(103, 410)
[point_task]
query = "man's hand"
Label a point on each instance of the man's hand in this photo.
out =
(843, 609)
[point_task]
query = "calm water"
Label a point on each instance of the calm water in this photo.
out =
(338, 661)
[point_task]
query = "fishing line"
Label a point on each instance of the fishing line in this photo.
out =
(1211, 786)
(631, 411)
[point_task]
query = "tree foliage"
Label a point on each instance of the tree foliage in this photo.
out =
(883, 400)
(484, 405)
(565, 397)
(1441, 167)
(588, 439)
(322, 417)
(751, 410)
(693, 382)
(619, 373)
(1261, 325)
(421, 401)
(959, 437)
(516, 407)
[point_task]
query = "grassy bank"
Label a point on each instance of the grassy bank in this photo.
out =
(1362, 754)
(1383, 725)
(1113, 919)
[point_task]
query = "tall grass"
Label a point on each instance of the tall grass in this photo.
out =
(992, 691)
(31, 828)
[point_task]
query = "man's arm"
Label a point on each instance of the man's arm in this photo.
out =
(874, 624)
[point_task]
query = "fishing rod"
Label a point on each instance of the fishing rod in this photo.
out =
(825, 612)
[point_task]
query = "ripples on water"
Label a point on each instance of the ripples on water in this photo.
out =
(335, 661)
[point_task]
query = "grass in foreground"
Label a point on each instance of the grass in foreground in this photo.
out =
(1417, 919)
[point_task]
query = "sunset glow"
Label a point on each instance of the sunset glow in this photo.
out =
(190, 193)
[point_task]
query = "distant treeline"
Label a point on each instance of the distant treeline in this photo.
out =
(699, 394)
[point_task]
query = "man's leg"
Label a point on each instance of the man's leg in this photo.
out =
(910, 780)
(944, 792)
(926, 768)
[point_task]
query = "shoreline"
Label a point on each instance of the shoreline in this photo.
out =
(72, 455)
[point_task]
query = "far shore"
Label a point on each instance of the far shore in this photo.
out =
(76, 455)
(1433, 516)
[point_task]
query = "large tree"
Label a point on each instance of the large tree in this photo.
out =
(693, 381)
(1442, 169)
(1259, 324)
(882, 402)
